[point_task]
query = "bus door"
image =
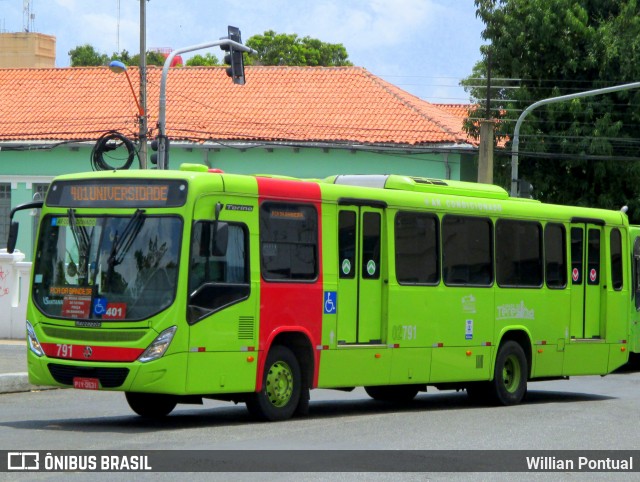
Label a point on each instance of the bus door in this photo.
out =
(635, 309)
(587, 278)
(360, 283)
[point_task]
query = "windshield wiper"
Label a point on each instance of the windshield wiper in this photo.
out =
(122, 244)
(82, 240)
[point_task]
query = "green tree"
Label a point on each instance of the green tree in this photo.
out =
(86, 56)
(289, 49)
(577, 152)
(203, 60)
(153, 58)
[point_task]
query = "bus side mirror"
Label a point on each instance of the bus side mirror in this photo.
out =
(220, 239)
(13, 236)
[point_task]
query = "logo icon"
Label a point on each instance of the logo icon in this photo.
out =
(23, 461)
(371, 267)
(88, 352)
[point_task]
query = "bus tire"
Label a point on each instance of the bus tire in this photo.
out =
(509, 384)
(279, 396)
(151, 405)
(392, 393)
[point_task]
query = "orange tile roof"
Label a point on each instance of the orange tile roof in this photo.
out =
(288, 104)
(458, 110)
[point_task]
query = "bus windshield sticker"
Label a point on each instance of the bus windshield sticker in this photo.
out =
(115, 311)
(76, 306)
(78, 221)
(99, 305)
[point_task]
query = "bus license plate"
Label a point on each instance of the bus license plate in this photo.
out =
(86, 383)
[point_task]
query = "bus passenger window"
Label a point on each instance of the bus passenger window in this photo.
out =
(555, 255)
(577, 253)
(416, 245)
(616, 259)
(217, 280)
(347, 244)
(371, 246)
(467, 258)
(636, 271)
(518, 254)
(288, 242)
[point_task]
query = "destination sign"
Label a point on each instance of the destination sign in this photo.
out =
(118, 193)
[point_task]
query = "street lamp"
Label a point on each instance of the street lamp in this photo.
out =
(162, 111)
(118, 67)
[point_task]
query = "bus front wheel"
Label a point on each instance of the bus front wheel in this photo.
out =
(281, 387)
(151, 405)
(510, 376)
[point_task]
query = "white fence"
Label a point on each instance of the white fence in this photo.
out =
(14, 293)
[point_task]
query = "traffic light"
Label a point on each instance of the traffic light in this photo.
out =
(155, 146)
(525, 189)
(234, 58)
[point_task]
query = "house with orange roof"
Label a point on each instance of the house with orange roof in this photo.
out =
(307, 122)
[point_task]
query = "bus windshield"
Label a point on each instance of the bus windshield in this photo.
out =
(106, 267)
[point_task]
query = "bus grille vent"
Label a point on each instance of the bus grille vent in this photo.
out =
(88, 335)
(479, 361)
(245, 328)
(109, 377)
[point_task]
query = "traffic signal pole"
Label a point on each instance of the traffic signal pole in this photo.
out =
(552, 100)
(162, 112)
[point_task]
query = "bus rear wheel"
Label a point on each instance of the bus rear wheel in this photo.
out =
(509, 384)
(151, 405)
(392, 393)
(281, 387)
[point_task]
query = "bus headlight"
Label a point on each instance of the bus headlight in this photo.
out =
(32, 339)
(159, 345)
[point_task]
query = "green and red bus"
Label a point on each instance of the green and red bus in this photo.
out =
(174, 286)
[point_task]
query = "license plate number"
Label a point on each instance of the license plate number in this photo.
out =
(86, 383)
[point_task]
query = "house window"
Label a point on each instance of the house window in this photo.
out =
(5, 211)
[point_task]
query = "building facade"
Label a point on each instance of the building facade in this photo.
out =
(303, 122)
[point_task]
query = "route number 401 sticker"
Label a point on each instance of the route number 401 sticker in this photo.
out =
(109, 311)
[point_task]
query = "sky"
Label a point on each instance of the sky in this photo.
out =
(422, 46)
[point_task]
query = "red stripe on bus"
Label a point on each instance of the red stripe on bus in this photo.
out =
(91, 352)
(291, 307)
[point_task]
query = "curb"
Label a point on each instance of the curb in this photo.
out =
(18, 382)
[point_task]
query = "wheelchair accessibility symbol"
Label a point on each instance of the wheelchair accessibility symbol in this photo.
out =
(330, 302)
(99, 306)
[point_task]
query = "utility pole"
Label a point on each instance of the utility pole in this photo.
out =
(485, 151)
(143, 86)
